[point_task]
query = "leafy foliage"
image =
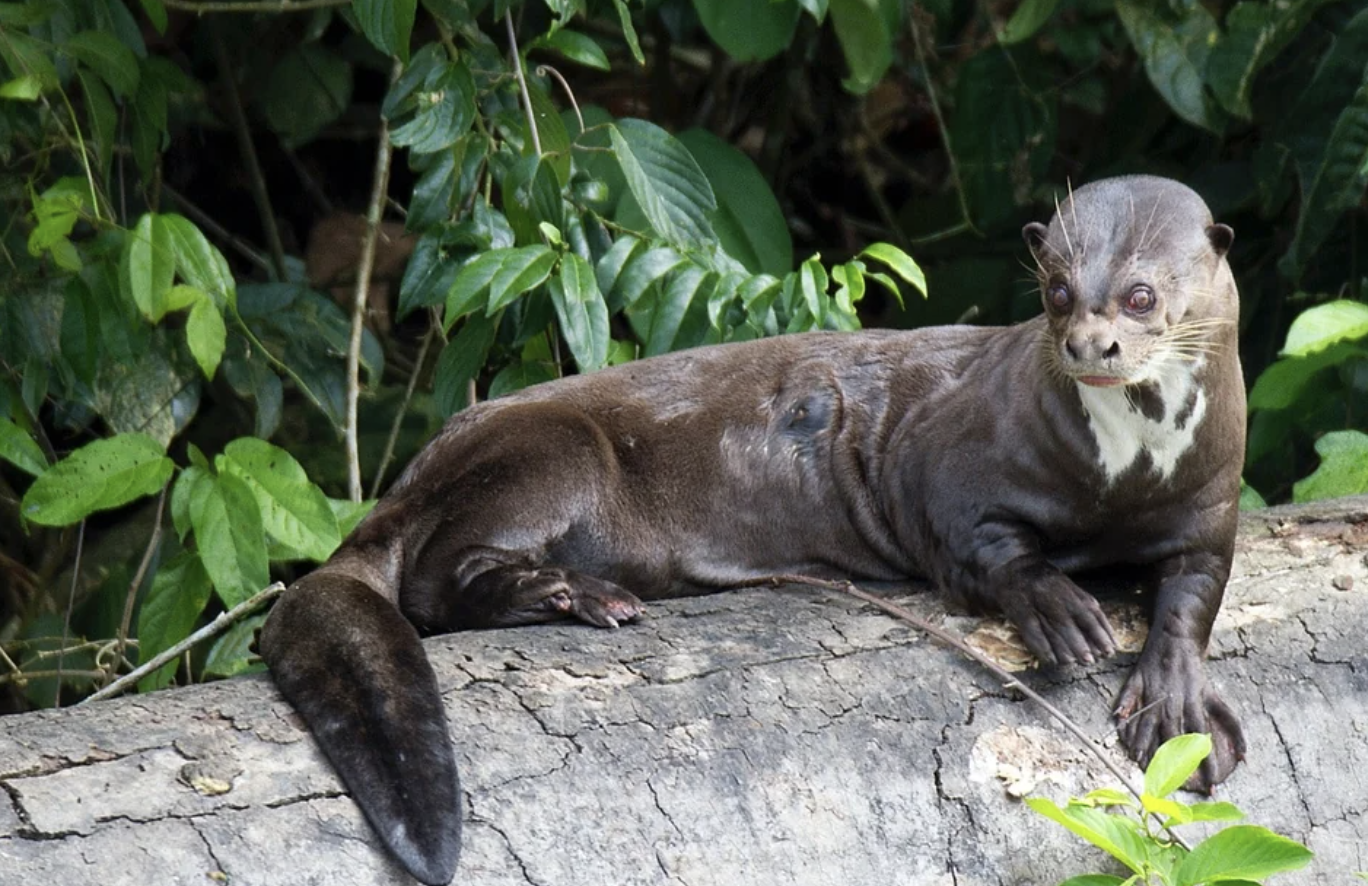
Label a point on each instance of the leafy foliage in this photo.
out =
(1236, 854)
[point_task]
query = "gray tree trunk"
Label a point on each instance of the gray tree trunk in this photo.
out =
(761, 737)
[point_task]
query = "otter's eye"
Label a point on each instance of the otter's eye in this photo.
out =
(1058, 296)
(1140, 300)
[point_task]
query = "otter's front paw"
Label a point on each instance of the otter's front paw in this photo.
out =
(1059, 621)
(1168, 695)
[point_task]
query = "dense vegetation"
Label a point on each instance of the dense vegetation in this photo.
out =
(526, 188)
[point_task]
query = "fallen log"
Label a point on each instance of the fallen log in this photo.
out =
(765, 737)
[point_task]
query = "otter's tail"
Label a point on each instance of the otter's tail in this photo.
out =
(354, 668)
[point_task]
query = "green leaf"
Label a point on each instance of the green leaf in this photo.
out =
(643, 271)
(429, 276)
(628, 31)
(1028, 18)
(104, 120)
(106, 56)
(1114, 835)
(521, 270)
(532, 195)
(666, 182)
(294, 511)
(198, 262)
(102, 474)
(228, 532)
(657, 318)
(609, 269)
(445, 110)
(148, 265)
(578, 48)
(387, 23)
(349, 513)
(1175, 52)
(518, 375)
(582, 312)
(471, 283)
(862, 27)
(1285, 382)
(231, 655)
(156, 13)
(749, 222)
(207, 335)
(1255, 34)
(168, 613)
(25, 88)
(20, 450)
(1336, 186)
(461, 361)
(432, 193)
(1250, 499)
(185, 490)
(1243, 852)
(27, 57)
(898, 262)
(1343, 469)
(1174, 762)
(749, 30)
(1319, 327)
(1219, 811)
(307, 89)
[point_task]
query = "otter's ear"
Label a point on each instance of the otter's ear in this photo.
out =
(1034, 234)
(1220, 236)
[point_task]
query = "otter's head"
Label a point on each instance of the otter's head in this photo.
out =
(1133, 277)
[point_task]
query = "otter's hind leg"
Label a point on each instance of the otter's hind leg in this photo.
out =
(497, 588)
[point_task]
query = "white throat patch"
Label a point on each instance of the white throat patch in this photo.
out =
(1123, 432)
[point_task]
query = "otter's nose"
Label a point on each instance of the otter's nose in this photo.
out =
(1092, 343)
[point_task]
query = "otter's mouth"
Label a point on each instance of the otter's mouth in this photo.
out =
(1100, 381)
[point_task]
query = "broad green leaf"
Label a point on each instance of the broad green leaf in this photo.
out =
(665, 180)
(198, 262)
(1283, 384)
(168, 613)
(578, 48)
(349, 513)
(749, 30)
(148, 266)
(1174, 47)
(471, 284)
(430, 274)
(1109, 797)
(20, 450)
(866, 36)
(1112, 834)
(518, 375)
(187, 488)
(1250, 499)
(521, 270)
(1255, 34)
(1241, 852)
(25, 88)
(749, 223)
(641, 272)
(1218, 811)
(104, 54)
(1028, 18)
(156, 13)
(610, 267)
(387, 23)
(1319, 327)
(432, 193)
(232, 654)
(1337, 185)
(657, 318)
(1174, 761)
(294, 511)
(445, 110)
(532, 195)
(104, 120)
(102, 474)
(812, 283)
(1343, 468)
(207, 335)
(582, 312)
(228, 533)
(460, 362)
(898, 262)
(27, 57)
(307, 89)
(181, 296)
(82, 346)
(57, 210)
(555, 145)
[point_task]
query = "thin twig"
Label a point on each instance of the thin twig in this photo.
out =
(940, 124)
(522, 83)
(403, 408)
(379, 187)
(71, 605)
(543, 70)
(137, 581)
(244, 136)
(218, 625)
(203, 219)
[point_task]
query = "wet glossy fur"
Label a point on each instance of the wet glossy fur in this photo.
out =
(973, 457)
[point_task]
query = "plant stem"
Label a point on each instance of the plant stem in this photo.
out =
(379, 187)
(403, 407)
(522, 83)
(137, 581)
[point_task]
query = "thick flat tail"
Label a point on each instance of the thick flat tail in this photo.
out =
(355, 670)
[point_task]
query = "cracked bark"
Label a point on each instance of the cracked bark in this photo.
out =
(758, 737)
